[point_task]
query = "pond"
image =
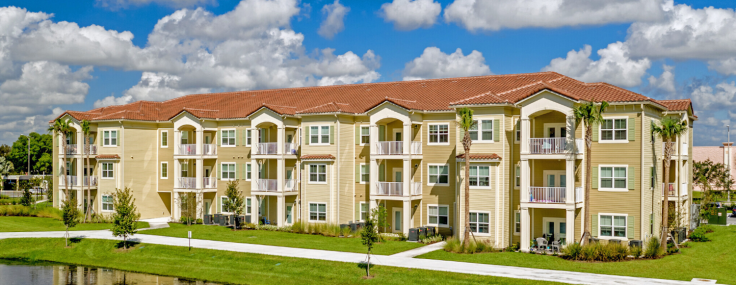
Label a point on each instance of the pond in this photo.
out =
(21, 273)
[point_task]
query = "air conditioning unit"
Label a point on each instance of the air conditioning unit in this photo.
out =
(413, 234)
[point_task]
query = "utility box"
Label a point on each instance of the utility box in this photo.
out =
(207, 219)
(353, 227)
(635, 243)
(423, 231)
(431, 231)
(216, 219)
(413, 234)
(223, 220)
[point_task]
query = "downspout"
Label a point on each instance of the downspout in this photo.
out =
(641, 151)
(122, 160)
(337, 160)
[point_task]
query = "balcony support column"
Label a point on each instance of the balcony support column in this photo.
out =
(525, 135)
(80, 172)
(254, 207)
(570, 226)
(570, 182)
(280, 140)
(200, 205)
(525, 183)
(373, 177)
(199, 164)
(373, 138)
(406, 217)
(281, 208)
(177, 141)
(280, 176)
(80, 199)
(177, 173)
(406, 178)
(200, 142)
(406, 137)
(525, 230)
(176, 208)
(80, 143)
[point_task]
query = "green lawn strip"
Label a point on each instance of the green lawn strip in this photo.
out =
(228, 267)
(712, 260)
(34, 224)
(264, 237)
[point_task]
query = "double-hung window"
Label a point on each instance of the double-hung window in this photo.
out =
(223, 204)
(612, 226)
(247, 137)
(185, 170)
(317, 212)
(164, 170)
(164, 139)
(107, 172)
(248, 206)
(228, 137)
(480, 176)
(439, 174)
(517, 222)
(319, 134)
(517, 177)
(365, 135)
(364, 173)
(479, 222)
(438, 215)
(110, 138)
(363, 211)
(614, 130)
(613, 178)
(228, 171)
(481, 131)
(318, 173)
(439, 133)
(248, 171)
(107, 203)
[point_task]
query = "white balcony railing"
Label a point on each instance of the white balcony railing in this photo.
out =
(547, 145)
(416, 188)
(69, 180)
(269, 185)
(390, 147)
(266, 148)
(579, 195)
(389, 189)
(289, 185)
(90, 149)
(289, 148)
(416, 147)
(209, 183)
(187, 183)
(684, 149)
(187, 149)
(547, 195)
(71, 149)
(209, 149)
(89, 181)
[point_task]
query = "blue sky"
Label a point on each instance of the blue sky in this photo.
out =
(659, 48)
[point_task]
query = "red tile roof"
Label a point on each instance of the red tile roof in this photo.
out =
(422, 95)
(678, 105)
(317, 156)
(480, 156)
(107, 156)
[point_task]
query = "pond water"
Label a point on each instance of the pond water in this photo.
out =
(42, 273)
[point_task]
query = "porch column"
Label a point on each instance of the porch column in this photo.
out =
(406, 178)
(200, 205)
(406, 137)
(372, 205)
(570, 236)
(177, 172)
(254, 205)
(80, 143)
(254, 174)
(176, 211)
(570, 126)
(406, 217)
(525, 135)
(200, 141)
(199, 172)
(525, 230)
(373, 138)
(373, 178)
(80, 199)
(281, 208)
(525, 174)
(280, 140)
(570, 182)
(177, 141)
(280, 175)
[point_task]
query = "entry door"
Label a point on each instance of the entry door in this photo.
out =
(556, 178)
(398, 175)
(289, 179)
(207, 139)
(289, 213)
(207, 206)
(397, 221)
(557, 228)
(397, 136)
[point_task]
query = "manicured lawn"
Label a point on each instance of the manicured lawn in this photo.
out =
(712, 260)
(33, 224)
(228, 267)
(280, 239)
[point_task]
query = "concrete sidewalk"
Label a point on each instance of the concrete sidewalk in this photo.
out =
(394, 260)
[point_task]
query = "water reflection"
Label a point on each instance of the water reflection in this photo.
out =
(17, 273)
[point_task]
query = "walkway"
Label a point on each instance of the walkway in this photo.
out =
(393, 260)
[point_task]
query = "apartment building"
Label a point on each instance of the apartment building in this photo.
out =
(331, 154)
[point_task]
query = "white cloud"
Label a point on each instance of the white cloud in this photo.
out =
(614, 66)
(666, 81)
(433, 63)
(722, 97)
(495, 15)
(334, 19)
(124, 4)
(411, 14)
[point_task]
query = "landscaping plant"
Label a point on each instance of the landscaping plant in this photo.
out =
(670, 130)
(87, 150)
(466, 123)
(235, 200)
(61, 128)
(653, 248)
(126, 215)
(70, 215)
(369, 236)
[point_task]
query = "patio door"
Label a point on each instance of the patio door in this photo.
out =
(555, 178)
(398, 175)
(396, 225)
(289, 214)
(556, 227)
(555, 130)
(207, 206)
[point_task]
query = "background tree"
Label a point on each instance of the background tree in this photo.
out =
(188, 203)
(125, 218)
(61, 128)
(671, 129)
(4, 150)
(368, 237)
(235, 200)
(85, 131)
(6, 167)
(27, 198)
(466, 123)
(591, 114)
(70, 214)
(40, 145)
(709, 176)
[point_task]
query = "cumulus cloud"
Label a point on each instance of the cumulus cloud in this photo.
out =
(665, 81)
(495, 15)
(411, 14)
(707, 98)
(124, 4)
(334, 19)
(433, 63)
(614, 66)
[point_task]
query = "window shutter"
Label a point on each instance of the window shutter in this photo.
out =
(518, 124)
(382, 172)
(496, 130)
(219, 141)
(237, 134)
(632, 129)
(117, 138)
(594, 225)
(630, 230)
(306, 135)
(357, 173)
(632, 177)
(357, 134)
(595, 132)
(594, 178)
(219, 172)
(332, 134)
(381, 132)
(238, 168)
(357, 211)
(653, 181)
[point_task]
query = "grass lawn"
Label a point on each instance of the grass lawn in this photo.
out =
(228, 267)
(219, 233)
(712, 260)
(34, 224)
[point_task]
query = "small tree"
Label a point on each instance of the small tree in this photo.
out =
(380, 215)
(188, 203)
(125, 218)
(70, 214)
(466, 123)
(27, 198)
(369, 236)
(235, 200)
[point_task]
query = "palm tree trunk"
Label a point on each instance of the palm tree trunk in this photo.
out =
(665, 193)
(466, 146)
(63, 165)
(89, 183)
(588, 180)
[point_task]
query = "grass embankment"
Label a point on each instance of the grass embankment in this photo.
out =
(712, 260)
(228, 267)
(280, 239)
(34, 224)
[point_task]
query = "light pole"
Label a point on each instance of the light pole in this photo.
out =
(29, 155)
(728, 159)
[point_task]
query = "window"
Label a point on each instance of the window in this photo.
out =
(185, 169)
(164, 139)
(439, 134)
(247, 137)
(317, 212)
(110, 138)
(614, 130)
(364, 173)
(518, 131)
(248, 171)
(228, 137)
(107, 203)
(517, 177)
(363, 211)
(365, 135)
(481, 131)
(438, 215)
(517, 222)
(438, 174)
(479, 222)
(318, 173)
(107, 170)
(223, 203)
(164, 170)
(613, 178)
(248, 207)
(612, 226)
(228, 171)
(319, 134)
(480, 176)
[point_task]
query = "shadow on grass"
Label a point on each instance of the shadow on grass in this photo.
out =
(75, 240)
(129, 244)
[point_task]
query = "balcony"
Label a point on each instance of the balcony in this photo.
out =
(390, 148)
(289, 148)
(69, 180)
(389, 189)
(547, 195)
(89, 181)
(548, 145)
(266, 148)
(71, 149)
(267, 185)
(90, 149)
(416, 147)
(187, 149)
(209, 183)
(187, 183)
(210, 149)
(290, 185)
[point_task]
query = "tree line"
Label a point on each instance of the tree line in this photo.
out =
(14, 159)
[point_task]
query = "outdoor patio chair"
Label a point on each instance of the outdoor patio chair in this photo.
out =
(555, 246)
(541, 243)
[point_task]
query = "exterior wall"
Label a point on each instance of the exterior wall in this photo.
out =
(440, 154)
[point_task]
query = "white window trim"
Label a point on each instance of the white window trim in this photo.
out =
(626, 227)
(368, 211)
(480, 130)
(361, 135)
(248, 211)
(248, 137)
(438, 143)
(309, 212)
(161, 138)
(438, 184)
(489, 222)
(161, 169)
(117, 137)
(517, 171)
(319, 135)
(516, 233)
(361, 173)
(247, 164)
(102, 203)
(102, 171)
(221, 137)
(438, 215)
(309, 172)
(600, 131)
(222, 176)
(600, 178)
(490, 183)
(517, 130)
(222, 205)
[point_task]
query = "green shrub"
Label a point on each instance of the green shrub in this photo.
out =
(455, 245)
(572, 251)
(514, 247)
(707, 228)
(672, 249)
(636, 251)
(24, 211)
(432, 239)
(652, 249)
(199, 221)
(698, 235)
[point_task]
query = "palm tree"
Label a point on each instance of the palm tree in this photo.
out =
(5, 168)
(671, 129)
(87, 150)
(61, 127)
(466, 123)
(591, 114)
